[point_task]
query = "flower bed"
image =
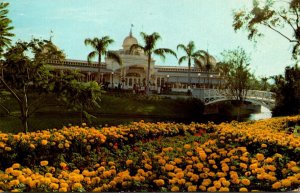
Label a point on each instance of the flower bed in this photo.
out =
(262, 155)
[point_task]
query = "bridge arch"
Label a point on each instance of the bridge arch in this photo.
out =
(210, 96)
(268, 106)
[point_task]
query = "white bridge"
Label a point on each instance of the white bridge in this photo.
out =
(210, 96)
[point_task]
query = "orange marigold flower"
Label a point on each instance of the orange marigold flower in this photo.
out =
(286, 182)
(224, 189)
(260, 157)
(54, 186)
(175, 189)
(159, 182)
(187, 146)
(169, 167)
(44, 163)
(295, 169)
(243, 189)
(211, 189)
(128, 162)
(243, 165)
(44, 142)
(16, 166)
(63, 189)
(245, 181)
(276, 185)
(264, 145)
(192, 188)
(202, 188)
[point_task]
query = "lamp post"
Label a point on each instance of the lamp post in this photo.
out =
(112, 79)
(199, 74)
(167, 85)
(209, 82)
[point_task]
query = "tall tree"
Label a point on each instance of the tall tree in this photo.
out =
(239, 76)
(5, 28)
(100, 47)
(287, 89)
(191, 54)
(274, 15)
(149, 49)
(23, 73)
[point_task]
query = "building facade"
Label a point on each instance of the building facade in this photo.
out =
(132, 73)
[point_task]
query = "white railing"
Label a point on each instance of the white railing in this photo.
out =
(209, 96)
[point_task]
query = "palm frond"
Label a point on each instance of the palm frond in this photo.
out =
(115, 57)
(183, 58)
(91, 55)
(181, 46)
(162, 51)
(135, 47)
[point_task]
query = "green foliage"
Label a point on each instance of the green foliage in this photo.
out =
(5, 27)
(287, 91)
(238, 78)
(274, 15)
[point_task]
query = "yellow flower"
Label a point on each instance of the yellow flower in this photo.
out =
(187, 146)
(64, 185)
(54, 186)
(286, 182)
(175, 189)
(14, 183)
(148, 166)
(159, 182)
(295, 169)
(44, 163)
(62, 164)
(206, 182)
(226, 183)
(44, 142)
(224, 189)
(217, 184)
(245, 181)
(169, 167)
(179, 175)
(264, 145)
(243, 165)
(189, 153)
(243, 189)
(16, 166)
(211, 189)
(128, 162)
(192, 188)
(260, 157)
(7, 148)
(63, 189)
(276, 185)
(202, 188)
(76, 186)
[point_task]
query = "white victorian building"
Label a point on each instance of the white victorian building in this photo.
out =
(132, 73)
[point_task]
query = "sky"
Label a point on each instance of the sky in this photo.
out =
(206, 22)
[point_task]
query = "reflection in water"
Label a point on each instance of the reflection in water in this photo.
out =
(264, 114)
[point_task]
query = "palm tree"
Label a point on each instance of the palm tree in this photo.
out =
(191, 54)
(5, 27)
(149, 49)
(100, 47)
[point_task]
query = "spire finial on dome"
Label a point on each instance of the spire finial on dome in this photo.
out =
(130, 34)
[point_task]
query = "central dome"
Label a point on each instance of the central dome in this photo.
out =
(129, 41)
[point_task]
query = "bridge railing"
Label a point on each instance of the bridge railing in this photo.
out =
(225, 93)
